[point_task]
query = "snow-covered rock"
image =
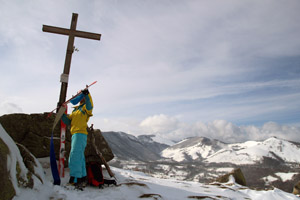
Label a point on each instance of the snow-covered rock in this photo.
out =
(18, 170)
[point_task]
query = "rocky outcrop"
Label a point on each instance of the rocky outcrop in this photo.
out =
(101, 144)
(296, 189)
(27, 137)
(237, 174)
(30, 163)
(7, 190)
(34, 132)
(18, 167)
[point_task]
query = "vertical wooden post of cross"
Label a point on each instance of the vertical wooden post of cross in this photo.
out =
(65, 76)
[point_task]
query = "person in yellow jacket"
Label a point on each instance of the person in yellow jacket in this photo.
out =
(78, 120)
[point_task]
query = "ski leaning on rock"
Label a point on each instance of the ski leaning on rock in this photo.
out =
(54, 169)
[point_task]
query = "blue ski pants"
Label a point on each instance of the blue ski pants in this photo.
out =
(77, 158)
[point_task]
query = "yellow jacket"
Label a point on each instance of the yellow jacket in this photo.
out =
(80, 116)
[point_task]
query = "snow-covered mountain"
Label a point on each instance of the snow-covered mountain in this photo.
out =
(193, 149)
(250, 152)
(202, 149)
(202, 159)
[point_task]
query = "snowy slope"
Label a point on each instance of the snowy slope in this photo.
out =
(136, 185)
(240, 153)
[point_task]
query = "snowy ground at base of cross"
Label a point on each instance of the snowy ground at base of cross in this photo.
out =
(137, 185)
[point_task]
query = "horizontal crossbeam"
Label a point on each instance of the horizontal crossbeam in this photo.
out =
(76, 33)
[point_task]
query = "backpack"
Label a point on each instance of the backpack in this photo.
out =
(95, 175)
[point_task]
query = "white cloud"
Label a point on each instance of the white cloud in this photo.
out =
(160, 124)
(172, 128)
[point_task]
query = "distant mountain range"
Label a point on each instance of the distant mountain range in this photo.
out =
(203, 160)
(246, 153)
(201, 149)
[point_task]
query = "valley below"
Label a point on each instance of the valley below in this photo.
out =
(258, 176)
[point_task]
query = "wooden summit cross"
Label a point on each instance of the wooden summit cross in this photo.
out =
(72, 33)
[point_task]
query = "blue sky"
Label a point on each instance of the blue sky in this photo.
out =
(171, 68)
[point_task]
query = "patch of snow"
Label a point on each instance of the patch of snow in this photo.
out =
(224, 169)
(285, 176)
(175, 154)
(269, 179)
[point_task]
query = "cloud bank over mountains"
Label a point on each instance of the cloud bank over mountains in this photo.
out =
(172, 128)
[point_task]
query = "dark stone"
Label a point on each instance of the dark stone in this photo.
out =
(296, 189)
(7, 190)
(101, 144)
(237, 174)
(34, 132)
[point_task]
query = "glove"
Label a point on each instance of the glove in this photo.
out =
(85, 91)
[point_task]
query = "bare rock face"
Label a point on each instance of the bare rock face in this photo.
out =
(102, 146)
(33, 131)
(237, 174)
(7, 190)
